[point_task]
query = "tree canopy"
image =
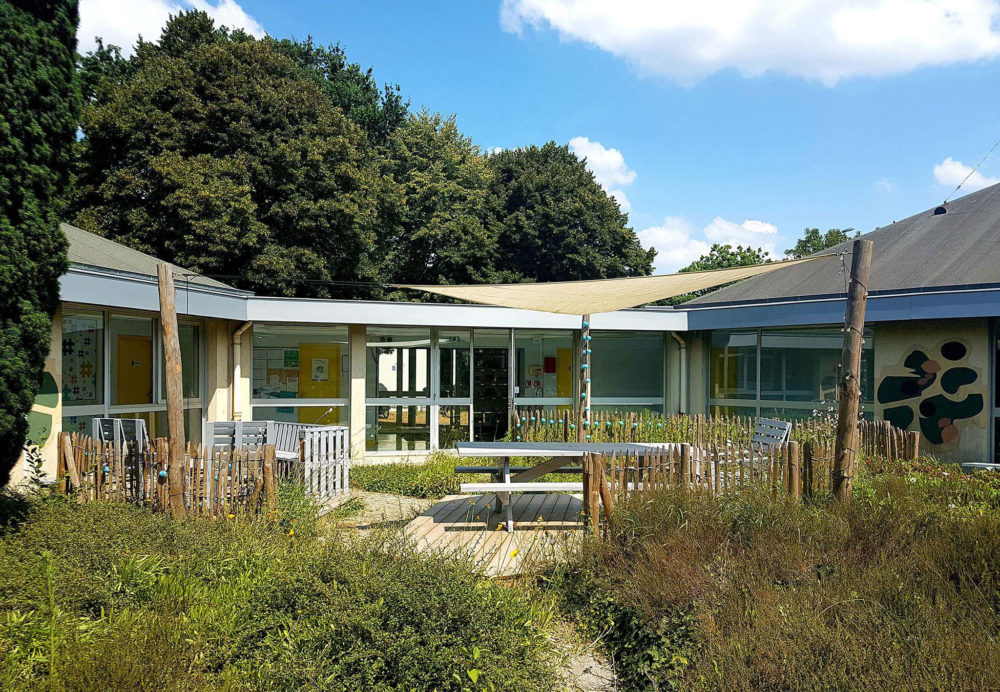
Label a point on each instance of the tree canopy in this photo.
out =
(553, 222)
(436, 232)
(39, 103)
(221, 156)
(282, 167)
(813, 241)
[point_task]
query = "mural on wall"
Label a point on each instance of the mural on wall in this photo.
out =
(41, 421)
(938, 413)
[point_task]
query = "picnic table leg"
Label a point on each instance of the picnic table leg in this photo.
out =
(507, 496)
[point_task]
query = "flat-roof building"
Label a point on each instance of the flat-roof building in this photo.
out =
(408, 378)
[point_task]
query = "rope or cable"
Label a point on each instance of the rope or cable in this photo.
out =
(976, 168)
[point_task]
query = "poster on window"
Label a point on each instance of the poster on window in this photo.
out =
(81, 358)
(320, 369)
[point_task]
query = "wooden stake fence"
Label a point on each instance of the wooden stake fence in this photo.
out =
(215, 482)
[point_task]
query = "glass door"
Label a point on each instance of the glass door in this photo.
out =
(490, 384)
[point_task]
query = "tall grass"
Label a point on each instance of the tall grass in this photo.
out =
(898, 590)
(106, 596)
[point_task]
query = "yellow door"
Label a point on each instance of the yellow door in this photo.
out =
(319, 378)
(135, 370)
(564, 375)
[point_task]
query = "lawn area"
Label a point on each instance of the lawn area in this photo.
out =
(106, 596)
(898, 590)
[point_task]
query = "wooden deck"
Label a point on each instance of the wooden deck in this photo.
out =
(467, 525)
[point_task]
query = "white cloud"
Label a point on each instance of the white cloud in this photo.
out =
(951, 172)
(120, 22)
(822, 40)
(750, 233)
(885, 185)
(677, 244)
(607, 164)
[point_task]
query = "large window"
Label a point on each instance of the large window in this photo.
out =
(781, 373)
(733, 365)
(82, 359)
(545, 367)
(112, 366)
(398, 398)
(418, 388)
(188, 336)
(306, 368)
(627, 370)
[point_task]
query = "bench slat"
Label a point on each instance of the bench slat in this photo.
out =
(521, 487)
(513, 469)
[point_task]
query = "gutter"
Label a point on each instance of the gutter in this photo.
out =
(237, 347)
(684, 372)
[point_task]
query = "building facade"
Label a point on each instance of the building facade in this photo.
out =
(409, 378)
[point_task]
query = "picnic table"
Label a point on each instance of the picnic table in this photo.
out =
(560, 457)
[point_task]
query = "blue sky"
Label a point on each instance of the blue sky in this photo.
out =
(742, 129)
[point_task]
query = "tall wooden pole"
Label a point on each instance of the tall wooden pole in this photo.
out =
(845, 453)
(583, 418)
(175, 391)
(590, 479)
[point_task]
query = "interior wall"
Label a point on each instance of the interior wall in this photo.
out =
(933, 376)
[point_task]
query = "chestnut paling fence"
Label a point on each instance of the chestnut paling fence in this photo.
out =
(217, 481)
(538, 424)
(715, 454)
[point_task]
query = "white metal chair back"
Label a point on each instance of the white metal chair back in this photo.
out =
(770, 433)
(128, 433)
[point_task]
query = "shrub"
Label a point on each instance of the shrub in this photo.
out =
(897, 590)
(106, 596)
(434, 478)
(39, 104)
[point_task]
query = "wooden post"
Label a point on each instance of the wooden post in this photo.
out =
(593, 499)
(685, 466)
(162, 482)
(606, 493)
(70, 461)
(808, 470)
(845, 454)
(914, 444)
(794, 471)
(270, 482)
(175, 392)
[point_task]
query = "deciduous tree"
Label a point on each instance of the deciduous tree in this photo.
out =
(433, 232)
(220, 155)
(553, 222)
(813, 241)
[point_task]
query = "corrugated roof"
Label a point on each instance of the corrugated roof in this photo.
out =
(86, 248)
(960, 247)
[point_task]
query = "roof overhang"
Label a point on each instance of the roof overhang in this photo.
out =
(316, 311)
(108, 288)
(886, 306)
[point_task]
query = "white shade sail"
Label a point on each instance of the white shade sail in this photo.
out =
(601, 295)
